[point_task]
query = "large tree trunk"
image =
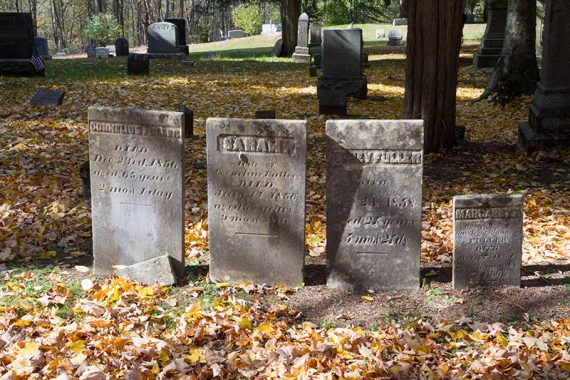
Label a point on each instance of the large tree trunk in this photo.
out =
(434, 40)
(516, 73)
(290, 11)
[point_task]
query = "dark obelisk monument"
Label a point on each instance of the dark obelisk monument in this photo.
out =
(492, 43)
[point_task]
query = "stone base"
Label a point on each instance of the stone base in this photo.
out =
(356, 87)
(154, 271)
(332, 102)
(301, 55)
(19, 68)
(530, 140)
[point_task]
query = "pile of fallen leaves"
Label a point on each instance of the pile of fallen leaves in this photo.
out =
(122, 329)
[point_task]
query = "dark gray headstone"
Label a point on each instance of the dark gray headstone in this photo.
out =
(256, 200)
(491, 47)
(265, 114)
(90, 50)
(137, 186)
(342, 53)
(374, 195)
(315, 32)
(181, 28)
(46, 97)
(122, 47)
(487, 240)
(138, 64)
(236, 34)
(16, 45)
(42, 47)
(277, 48)
(162, 38)
(189, 122)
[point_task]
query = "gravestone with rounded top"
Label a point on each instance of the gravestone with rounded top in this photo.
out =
(256, 200)
(374, 210)
(162, 38)
(301, 53)
(41, 44)
(122, 47)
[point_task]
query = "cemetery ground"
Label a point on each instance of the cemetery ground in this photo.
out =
(56, 317)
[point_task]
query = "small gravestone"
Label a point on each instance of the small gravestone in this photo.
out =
(265, 114)
(380, 33)
(138, 64)
(122, 47)
(236, 34)
(102, 52)
(400, 21)
(374, 203)
(301, 54)
(256, 200)
(162, 38)
(41, 44)
(315, 33)
(112, 50)
(17, 45)
(395, 37)
(46, 97)
(277, 48)
(487, 240)
(90, 50)
(189, 122)
(136, 161)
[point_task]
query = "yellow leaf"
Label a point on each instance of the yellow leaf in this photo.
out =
(29, 349)
(502, 341)
(265, 327)
(223, 285)
(245, 323)
(47, 255)
(196, 354)
(146, 291)
(77, 347)
(367, 298)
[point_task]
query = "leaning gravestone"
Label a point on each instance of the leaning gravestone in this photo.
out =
(256, 200)
(138, 64)
(395, 37)
(16, 45)
(121, 47)
(487, 240)
(301, 54)
(277, 48)
(374, 195)
(41, 44)
(136, 161)
(163, 39)
(47, 97)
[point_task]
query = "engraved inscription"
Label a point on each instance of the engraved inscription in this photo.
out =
(488, 213)
(388, 156)
(133, 129)
(256, 144)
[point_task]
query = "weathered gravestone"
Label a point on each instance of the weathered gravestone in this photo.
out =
(487, 240)
(102, 52)
(277, 48)
(395, 37)
(315, 32)
(138, 64)
(374, 195)
(301, 54)
(400, 21)
(265, 114)
(122, 47)
(90, 50)
(380, 33)
(42, 48)
(236, 34)
(256, 200)
(16, 45)
(47, 97)
(163, 40)
(137, 190)
(342, 70)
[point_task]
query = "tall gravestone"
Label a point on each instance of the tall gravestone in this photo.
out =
(122, 47)
(163, 39)
(343, 72)
(301, 54)
(492, 43)
(256, 200)
(487, 240)
(180, 28)
(42, 47)
(315, 33)
(136, 161)
(549, 117)
(374, 195)
(17, 45)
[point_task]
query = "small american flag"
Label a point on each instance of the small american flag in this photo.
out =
(37, 61)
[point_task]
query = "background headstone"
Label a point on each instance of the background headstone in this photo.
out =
(181, 29)
(112, 50)
(46, 97)
(491, 47)
(301, 53)
(265, 114)
(121, 47)
(90, 50)
(138, 64)
(277, 48)
(162, 38)
(102, 52)
(395, 37)
(137, 186)
(380, 33)
(487, 240)
(236, 34)
(256, 200)
(400, 21)
(315, 32)
(188, 122)
(374, 211)
(41, 44)
(16, 45)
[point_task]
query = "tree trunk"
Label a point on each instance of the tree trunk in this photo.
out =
(290, 11)
(33, 10)
(516, 73)
(434, 41)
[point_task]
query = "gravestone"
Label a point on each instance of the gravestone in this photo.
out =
(16, 45)
(42, 48)
(136, 161)
(138, 64)
(380, 33)
(90, 50)
(47, 97)
(163, 39)
(112, 50)
(400, 21)
(487, 240)
(301, 54)
(256, 200)
(269, 28)
(374, 195)
(277, 48)
(491, 47)
(122, 47)
(316, 38)
(342, 69)
(180, 28)
(548, 123)
(102, 52)
(189, 122)
(265, 114)
(236, 34)
(395, 37)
